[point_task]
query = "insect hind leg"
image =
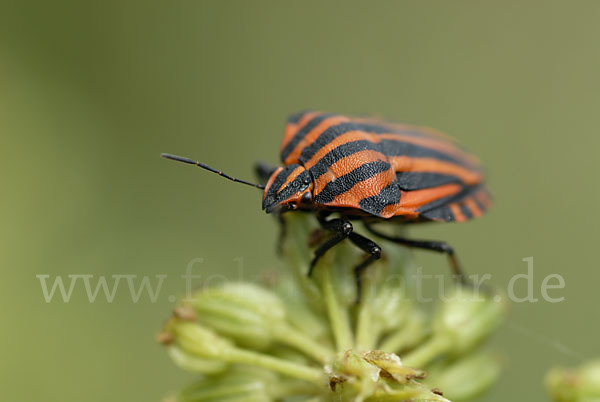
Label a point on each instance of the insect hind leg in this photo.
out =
(438, 246)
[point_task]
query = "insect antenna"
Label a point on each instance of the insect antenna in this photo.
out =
(204, 166)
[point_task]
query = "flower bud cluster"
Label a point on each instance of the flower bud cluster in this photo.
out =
(307, 339)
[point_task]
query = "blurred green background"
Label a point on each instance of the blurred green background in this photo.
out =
(92, 92)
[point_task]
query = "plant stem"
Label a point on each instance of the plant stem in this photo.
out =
(297, 257)
(406, 395)
(425, 353)
(340, 322)
(409, 335)
(367, 330)
(312, 375)
(302, 342)
(284, 388)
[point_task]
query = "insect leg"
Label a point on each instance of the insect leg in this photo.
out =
(439, 246)
(341, 229)
(374, 253)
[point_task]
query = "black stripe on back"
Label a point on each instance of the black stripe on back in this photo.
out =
(420, 180)
(279, 180)
(466, 211)
(389, 195)
(295, 118)
(299, 136)
(379, 129)
(331, 134)
(436, 209)
(388, 148)
(401, 148)
(349, 180)
(271, 196)
(300, 183)
(479, 204)
(340, 152)
(441, 213)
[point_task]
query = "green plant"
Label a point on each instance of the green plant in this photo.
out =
(575, 385)
(305, 339)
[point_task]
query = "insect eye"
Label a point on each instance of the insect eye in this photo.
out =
(293, 205)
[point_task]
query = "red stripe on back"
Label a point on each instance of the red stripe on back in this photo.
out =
(311, 136)
(431, 165)
(413, 200)
(292, 128)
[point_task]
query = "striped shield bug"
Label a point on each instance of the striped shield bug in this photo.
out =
(371, 171)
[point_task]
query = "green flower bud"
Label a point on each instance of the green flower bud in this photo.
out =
(253, 317)
(203, 343)
(575, 385)
(407, 336)
(236, 385)
(385, 308)
(466, 377)
(195, 364)
(300, 313)
(199, 341)
(467, 318)
(241, 311)
(460, 323)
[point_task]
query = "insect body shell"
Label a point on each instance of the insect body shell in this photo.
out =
(367, 167)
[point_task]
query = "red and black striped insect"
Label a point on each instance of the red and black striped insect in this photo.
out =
(373, 171)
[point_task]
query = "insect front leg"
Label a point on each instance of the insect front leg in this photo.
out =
(374, 254)
(439, 246)
(341, 229)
